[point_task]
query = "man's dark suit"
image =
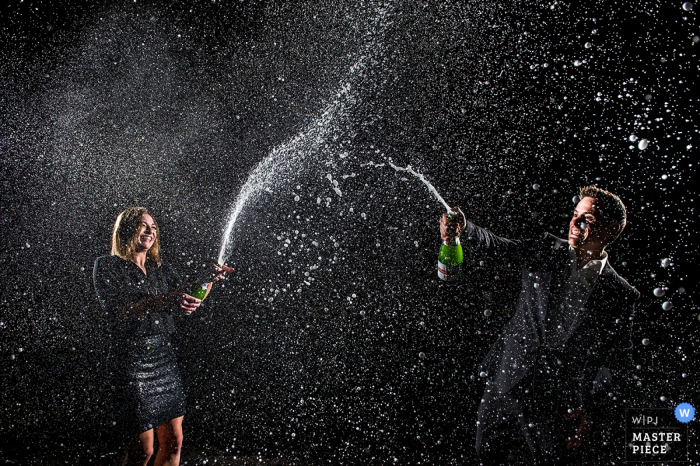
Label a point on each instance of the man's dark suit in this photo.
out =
(532, 382)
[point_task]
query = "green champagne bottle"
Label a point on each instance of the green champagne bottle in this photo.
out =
(198, 287)
(198, 290)
(450, 257)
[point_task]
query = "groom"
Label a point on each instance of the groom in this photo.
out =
(563, 355)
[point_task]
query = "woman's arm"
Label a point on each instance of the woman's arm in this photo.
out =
(177, 298)
(125, 303)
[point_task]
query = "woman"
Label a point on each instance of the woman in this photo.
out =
(139, 293)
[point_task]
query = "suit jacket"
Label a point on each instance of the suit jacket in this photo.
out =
(587, 370)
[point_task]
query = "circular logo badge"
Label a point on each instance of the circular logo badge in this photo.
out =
(685, 413)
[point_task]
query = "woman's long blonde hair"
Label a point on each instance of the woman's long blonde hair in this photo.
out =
(126, 232)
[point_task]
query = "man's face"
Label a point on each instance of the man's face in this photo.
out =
(587, 229)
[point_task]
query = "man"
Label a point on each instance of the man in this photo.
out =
(562, 356)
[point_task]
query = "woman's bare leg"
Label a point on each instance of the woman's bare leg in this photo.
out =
(170, 441)
(140, 449)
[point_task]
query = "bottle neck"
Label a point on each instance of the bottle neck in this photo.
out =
(202, 277)
(452, 242)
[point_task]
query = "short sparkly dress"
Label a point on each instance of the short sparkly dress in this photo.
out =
(142, 363)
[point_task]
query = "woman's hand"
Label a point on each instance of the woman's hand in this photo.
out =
(449, 229)
(184, 301)
(219, 271)
(189, 303)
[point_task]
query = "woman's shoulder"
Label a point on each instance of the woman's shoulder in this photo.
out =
(109, 262)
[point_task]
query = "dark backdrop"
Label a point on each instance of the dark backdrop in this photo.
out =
(334, 341)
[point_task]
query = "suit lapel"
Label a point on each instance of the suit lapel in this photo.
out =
(557, 270)
(601, 289)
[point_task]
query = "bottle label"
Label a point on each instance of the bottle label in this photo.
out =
(448, 273)
(452, 242)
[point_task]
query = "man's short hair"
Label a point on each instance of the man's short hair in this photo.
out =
(609, 205)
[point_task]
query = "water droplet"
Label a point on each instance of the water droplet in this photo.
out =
(633, 137)
(588, 45)
(667, 305)
(578, 63)
(535, 186)
(659, 292)
(488, 312)
(645, 342)
(421, 355)
(483, 374)
(688, 6)
(643, 144)
(666, 263)
(662, 398)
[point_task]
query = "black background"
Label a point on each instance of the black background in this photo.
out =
(173, 105)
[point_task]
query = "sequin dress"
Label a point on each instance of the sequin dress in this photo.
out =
(147, 384)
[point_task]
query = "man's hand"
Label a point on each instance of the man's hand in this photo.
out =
(448, 229)
(584, 427)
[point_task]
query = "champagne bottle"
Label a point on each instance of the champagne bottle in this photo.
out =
(198, 286)
(450, 257)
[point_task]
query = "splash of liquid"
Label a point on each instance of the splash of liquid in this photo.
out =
(288, 158)
(483, 235)
(431, 188)
(304, 149)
